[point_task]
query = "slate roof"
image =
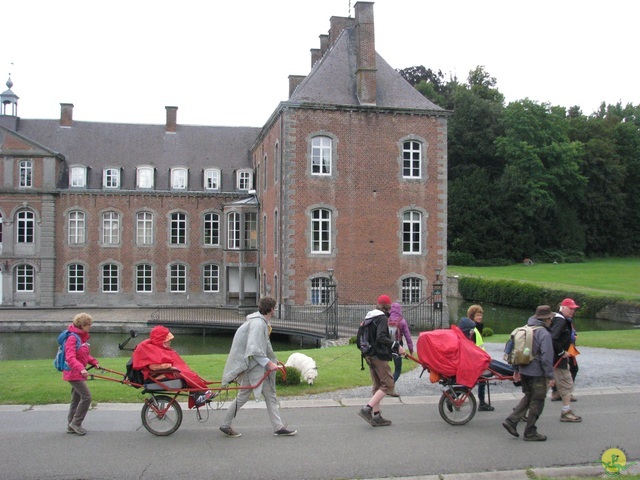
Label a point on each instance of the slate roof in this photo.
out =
(99, 145)
(332, 81)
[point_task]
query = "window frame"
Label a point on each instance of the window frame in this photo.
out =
(144, 278)
(145, 173)
(410, 244)
(319, 160)
(25, 227)
(244, 180)
(411, 290)
(409, 163)
(76, 278)
(110, 281)
(78, 176)
(178, 229)
(318, 230)
(177, 278)
(76, 228)
(233, 231)
(211, 229)
(212, 175)
(110, 228)
(319, 293)
(111, 178)
(145, 229)
(25, 174)
(25, 278)
(179, 178)
(211, 280)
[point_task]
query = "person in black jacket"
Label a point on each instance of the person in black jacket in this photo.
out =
(383, 346)
(561, 334)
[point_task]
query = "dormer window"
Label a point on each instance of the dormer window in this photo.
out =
(145, 177)
(179, 178)
(78, 177)
(212, 179)
(111, 178)
(245, 179)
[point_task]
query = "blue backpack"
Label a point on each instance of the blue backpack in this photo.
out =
(60, 362)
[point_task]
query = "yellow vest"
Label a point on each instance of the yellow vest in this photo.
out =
(479, 340)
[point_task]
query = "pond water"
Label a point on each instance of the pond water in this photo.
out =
(17, 346)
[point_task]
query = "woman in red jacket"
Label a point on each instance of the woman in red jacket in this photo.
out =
(77, 355)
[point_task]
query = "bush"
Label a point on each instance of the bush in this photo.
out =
(461, 259)
(353, 340)
(293, 376)
(487, 332)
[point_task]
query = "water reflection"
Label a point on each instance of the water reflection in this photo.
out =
(19, 346)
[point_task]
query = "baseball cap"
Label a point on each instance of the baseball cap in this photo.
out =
(384, 300)
(569, 302)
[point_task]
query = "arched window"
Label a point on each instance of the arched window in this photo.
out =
(144, 228)
(75, 278)
(210, 278)
(177, 278)
(110, 233)
(144, 278)
(25, 278)
(211, 225)
(110, 278)
(319, 291)
(411, 290)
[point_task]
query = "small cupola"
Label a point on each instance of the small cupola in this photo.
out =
(9, 101)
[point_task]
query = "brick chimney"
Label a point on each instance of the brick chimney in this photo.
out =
(337, 24)
(172, 119)
(365, 53)
(66, 114)
(294, 81)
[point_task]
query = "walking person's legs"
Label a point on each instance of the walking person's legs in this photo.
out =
(81, 397)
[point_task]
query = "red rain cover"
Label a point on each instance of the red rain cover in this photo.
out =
(449, 353)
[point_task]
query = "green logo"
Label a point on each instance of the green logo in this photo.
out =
(614, 462)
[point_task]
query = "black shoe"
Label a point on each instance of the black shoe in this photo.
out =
(485, 407)
(511, 428)
(283, 432)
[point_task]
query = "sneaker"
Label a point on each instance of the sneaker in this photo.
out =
(485, 407)
(283, 432)
(510, 427)
(365, 412)
(379, 421)
(536, 437)
(230, 432)
(570, 417)
(77, 429)
(555, 397)
(70, 430)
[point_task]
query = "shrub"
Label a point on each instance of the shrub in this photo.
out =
(487, 332)
(352, 340)
(461, 259)
(293, 376)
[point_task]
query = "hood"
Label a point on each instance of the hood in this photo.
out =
(466, 325)
(158, 335)
(535, 322)
(396, 312)
(374, 313)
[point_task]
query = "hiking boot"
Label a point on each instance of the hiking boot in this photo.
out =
(378, 421)
(230, 432)
(511, 427)
(485, 407)
(77, 429)
(555, 397)
(283, 432)
(536, 437)
(570, 417)
(366, 413)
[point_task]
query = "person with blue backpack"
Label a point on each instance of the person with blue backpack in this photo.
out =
(77, 356)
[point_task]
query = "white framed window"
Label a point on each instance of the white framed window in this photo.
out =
(319, 291)
(179, 178)
(210, 278)
(144, 278)
(144, 228)
(245, 179)
(76, 228)
(411, 290)
(145, 177)
(25, 278)
(178, 229)
(412, 159)
(110, 278)
(75, 278)
(178, 278)
(212, 179)
(411, 232)
(25, 226)
(110, 228)
(320, 230)
(321, 156)
(233, 231)
(211, 225)
(78, 177)
(251, 230)
(111, 178)
(26, 173)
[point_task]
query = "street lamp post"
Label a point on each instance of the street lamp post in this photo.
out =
(331, 299)
(437, 299)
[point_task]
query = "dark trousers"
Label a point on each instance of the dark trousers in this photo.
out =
(397, 363)
(535, 392)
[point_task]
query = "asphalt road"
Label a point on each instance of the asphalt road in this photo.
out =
(332, 443)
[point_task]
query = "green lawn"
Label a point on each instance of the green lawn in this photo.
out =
(36, 382)
(606, 277)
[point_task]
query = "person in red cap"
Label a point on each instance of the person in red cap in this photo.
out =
(563, 336)
(383, 347)
(155, 354)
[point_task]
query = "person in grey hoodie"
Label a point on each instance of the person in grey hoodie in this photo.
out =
(536, 378)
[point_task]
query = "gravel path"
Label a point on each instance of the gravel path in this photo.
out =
(599, 368)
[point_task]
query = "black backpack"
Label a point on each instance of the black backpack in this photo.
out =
(365, 338)
(133, 375)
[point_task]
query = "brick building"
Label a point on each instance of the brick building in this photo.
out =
(345, 184)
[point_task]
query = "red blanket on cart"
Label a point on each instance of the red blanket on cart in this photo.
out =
(451, 354)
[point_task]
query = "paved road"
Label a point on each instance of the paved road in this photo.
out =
(333, 442)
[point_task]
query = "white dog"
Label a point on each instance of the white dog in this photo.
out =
(305, 364)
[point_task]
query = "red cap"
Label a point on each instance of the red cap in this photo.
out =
(569, 302)
(384, 300)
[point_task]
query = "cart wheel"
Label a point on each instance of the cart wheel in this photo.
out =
(461, 414)
(161, 415)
